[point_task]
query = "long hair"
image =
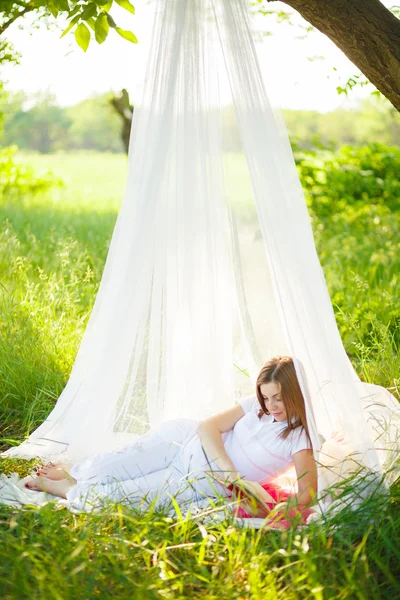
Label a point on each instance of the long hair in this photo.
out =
(281, 370)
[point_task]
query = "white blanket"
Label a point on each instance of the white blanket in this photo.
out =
(14, 493)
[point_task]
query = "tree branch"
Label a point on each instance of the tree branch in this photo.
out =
(10, 21)
(366, 31)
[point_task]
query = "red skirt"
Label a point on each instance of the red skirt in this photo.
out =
(279, 519)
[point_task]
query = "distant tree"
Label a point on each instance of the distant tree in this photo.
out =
(374, 120)
(124, 108)
(37, 123)
(94, 125)
(43, 127)
(11, 105)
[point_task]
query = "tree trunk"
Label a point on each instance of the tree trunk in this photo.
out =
(125, 110)
(366, 31)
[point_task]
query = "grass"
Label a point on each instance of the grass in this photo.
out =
(49, 553)
(52, 250)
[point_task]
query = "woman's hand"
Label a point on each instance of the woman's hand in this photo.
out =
(253, 498)
(225, 478)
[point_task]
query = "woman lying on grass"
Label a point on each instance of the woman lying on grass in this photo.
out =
(251, 442)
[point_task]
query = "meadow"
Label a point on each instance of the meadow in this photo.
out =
(53, 244)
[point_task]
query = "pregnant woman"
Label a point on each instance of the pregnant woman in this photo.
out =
(255, 440)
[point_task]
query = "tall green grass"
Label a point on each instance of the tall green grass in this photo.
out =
(49, 553)
(52, 251)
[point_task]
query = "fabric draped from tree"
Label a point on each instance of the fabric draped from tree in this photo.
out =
(212, 267)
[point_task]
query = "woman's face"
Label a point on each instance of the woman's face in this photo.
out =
(271, 392)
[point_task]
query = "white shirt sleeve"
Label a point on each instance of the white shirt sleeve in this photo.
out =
(249, 404)
(299, 441)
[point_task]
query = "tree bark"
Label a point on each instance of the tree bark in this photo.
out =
(366, 31)
(125, 110)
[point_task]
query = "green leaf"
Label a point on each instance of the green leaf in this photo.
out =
(127, 5)
(53, 8)
(111, 21)
(101, 2)
(82, 36)
(73, 12)
(101, 28)
(127, 35)
(70, 26)
(62, 5)
(92, 23)
(90, 11)
(107, 6)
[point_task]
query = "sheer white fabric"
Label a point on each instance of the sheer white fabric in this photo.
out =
(212, 267)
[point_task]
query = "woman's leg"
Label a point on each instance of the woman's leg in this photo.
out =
(156, 487)
(151, 452)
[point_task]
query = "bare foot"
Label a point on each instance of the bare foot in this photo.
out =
(55, 471)
(58, 488)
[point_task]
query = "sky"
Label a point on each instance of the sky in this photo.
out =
(305, 71)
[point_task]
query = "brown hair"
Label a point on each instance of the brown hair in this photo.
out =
(281, 370)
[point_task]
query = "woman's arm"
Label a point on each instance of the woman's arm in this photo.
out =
(210, 433)
(306, 471)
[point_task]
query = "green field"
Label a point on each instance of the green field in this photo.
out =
(53, 246)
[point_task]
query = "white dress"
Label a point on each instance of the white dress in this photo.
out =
(170, 461)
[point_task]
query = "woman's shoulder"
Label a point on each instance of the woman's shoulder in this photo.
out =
(298, 440)
(249, 404)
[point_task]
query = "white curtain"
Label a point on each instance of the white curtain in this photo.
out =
(212, 267)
